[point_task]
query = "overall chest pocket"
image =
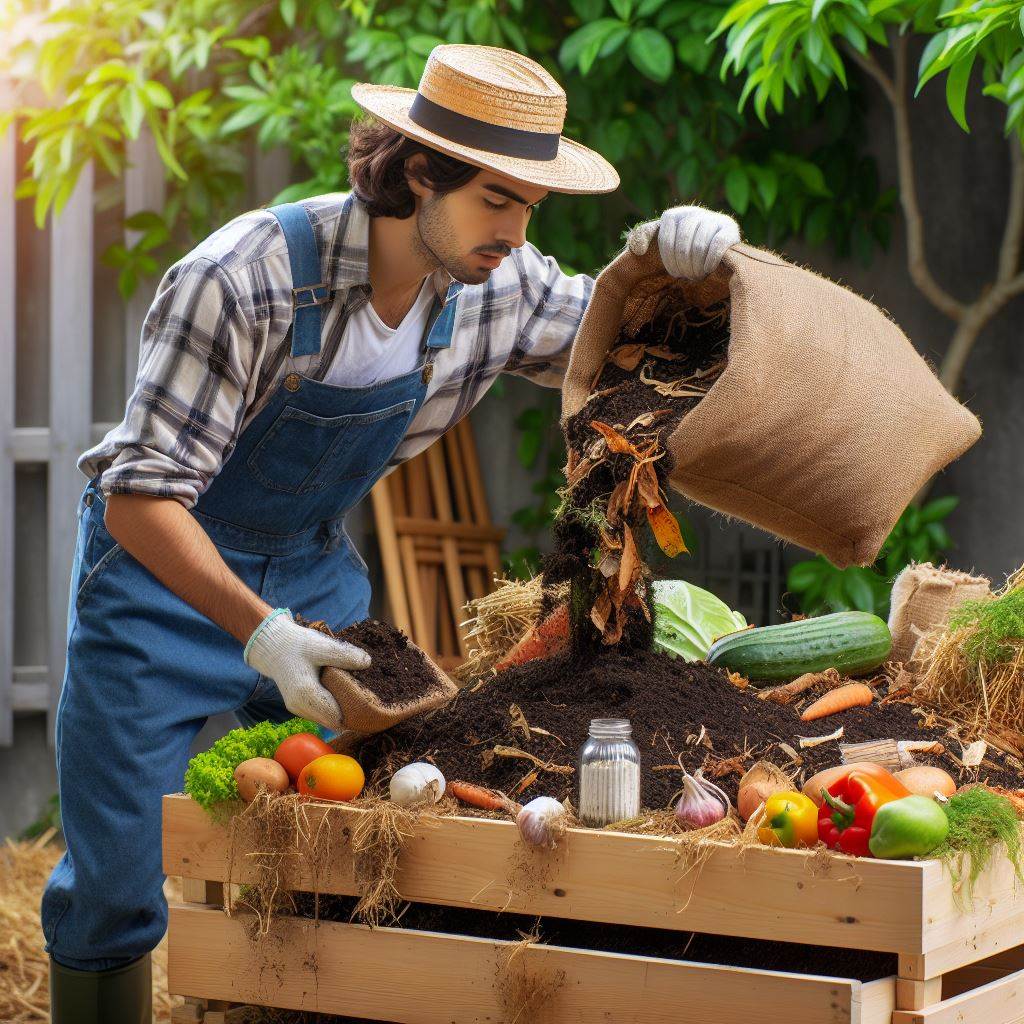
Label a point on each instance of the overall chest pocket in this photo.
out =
(302, 453)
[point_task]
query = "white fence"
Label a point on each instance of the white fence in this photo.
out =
(63, 330)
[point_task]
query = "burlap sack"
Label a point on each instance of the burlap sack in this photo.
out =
(922, 597)
(826, 421)
(363, 712)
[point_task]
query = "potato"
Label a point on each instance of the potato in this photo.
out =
(260, 771)
(925, 780)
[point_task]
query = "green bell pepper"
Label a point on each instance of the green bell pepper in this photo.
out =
(910, 827)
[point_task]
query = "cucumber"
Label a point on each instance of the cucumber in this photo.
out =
(850, 642)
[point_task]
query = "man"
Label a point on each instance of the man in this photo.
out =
(287, 363)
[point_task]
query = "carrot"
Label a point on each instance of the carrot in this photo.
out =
(853, 695)
(481, 797)
(548, 637)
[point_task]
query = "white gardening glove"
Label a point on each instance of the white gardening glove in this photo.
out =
(691, 240)
(292, 655)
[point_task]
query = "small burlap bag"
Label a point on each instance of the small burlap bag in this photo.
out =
(922, 597)
(363, 712)
(826, 421)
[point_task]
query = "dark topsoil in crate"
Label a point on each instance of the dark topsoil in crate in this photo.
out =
(697, 947)
(398, 673)
(668, 702)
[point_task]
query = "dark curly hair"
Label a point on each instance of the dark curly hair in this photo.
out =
(376, 168)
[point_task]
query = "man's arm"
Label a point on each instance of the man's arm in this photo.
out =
(160, 533)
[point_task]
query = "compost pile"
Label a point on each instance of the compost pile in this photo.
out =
(520, 731)
(618, 464)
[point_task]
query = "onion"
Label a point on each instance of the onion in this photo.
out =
(702, 802)
(924, 780)
(541, 821)
(417, 783)
(760, 782)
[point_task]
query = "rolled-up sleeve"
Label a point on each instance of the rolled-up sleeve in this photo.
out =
(185, 413)
(553, 305)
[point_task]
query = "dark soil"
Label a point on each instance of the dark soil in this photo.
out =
(399, 672)
(660, 942)
(668, 702)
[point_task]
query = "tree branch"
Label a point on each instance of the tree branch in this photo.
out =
(870, 66)
(1009, 250)
(916, 258)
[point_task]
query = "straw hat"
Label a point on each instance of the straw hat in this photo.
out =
(495, 109)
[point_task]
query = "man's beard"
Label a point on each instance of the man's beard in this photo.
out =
(437, 239)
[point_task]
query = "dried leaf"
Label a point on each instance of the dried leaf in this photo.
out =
(627, 357)
(793, 754)
(601, 611)
(974, 753)
(647, 485)
(609, 565)
(519, 720)
(817, 741)
(616, 442)
(663, 352)
(629, 566)
(580, 471)
(666, 531)
(525, 755)
(526, 781)
(618, 502)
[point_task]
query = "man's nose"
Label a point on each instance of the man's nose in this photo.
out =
(513, 229)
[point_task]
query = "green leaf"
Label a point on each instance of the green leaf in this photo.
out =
(288, 11)
(737, 189)
(588, 10)
(651, 54)
(804, 575)
(858, 590)
(622, 8)
(817, 7)
(938, 508)
(132, 110)
(159, 95)
(584, 38)
(243, 118)
(956, 89)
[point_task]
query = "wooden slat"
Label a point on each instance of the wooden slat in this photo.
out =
(32, 444)
(999, 1002)
(415, 475)
(71, 275)
(478, 497)
(418, 526)
(144, 190)
(395, 974)
(390, 556)
(991, 921)
(612, 877)
(8, 222)
(450, 548)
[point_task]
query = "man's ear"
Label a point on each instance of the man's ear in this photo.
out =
(414, 168)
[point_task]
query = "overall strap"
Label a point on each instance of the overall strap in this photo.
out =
(309, 293)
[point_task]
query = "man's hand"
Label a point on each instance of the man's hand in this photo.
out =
(691, 240)
(292, 655)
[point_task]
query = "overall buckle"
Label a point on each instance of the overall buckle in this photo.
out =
(297, 303)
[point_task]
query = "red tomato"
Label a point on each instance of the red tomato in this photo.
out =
(294, 753)
(332, 777)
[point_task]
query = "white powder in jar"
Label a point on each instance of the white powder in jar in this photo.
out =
(609, 791)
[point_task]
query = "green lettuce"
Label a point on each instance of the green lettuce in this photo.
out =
(688, 620)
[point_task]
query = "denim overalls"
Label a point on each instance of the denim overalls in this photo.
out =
(145, 670)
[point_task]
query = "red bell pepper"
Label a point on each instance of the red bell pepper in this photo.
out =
(848, 810)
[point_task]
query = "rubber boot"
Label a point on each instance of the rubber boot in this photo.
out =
(122, 995)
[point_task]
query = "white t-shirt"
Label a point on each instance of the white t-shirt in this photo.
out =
(370, 351)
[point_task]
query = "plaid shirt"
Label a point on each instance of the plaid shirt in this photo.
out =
(216, 343)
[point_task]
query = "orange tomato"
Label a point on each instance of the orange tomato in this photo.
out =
(295, 752)
(332, 777)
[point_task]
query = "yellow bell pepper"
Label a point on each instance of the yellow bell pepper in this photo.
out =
(790, 820)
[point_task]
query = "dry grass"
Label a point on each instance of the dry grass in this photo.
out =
(497, 622)
(24, 966)
(973, 669)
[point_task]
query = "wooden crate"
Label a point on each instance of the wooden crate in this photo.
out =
(953, 965)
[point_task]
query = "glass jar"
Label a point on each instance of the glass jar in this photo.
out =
(609, 773)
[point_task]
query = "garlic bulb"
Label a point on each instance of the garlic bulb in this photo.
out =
(416, 783)
(541, 821)
(702, 802)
